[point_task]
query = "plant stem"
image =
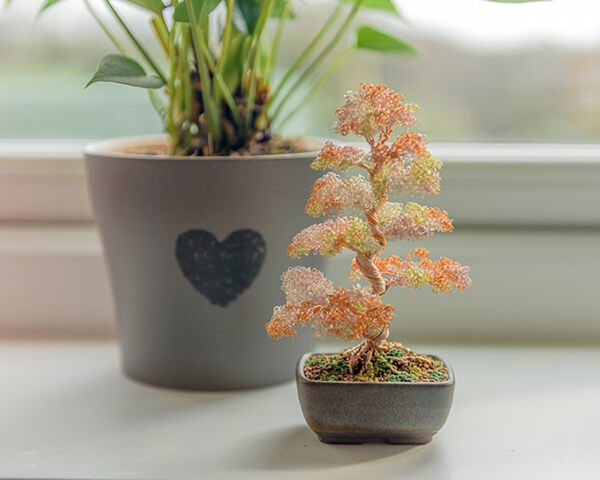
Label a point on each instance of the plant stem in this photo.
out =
(224, 89)
(170, 124)
(258, 30)
(179, 89)
(162, 33)
(226, 36)
(135, 41)
(105, 29)
(277, 39)
(251, 99)
(324, 77)
(212, 117)
(184, 74)
(315, 63)
(158, 104)
(223, 56)
(254, 56)
(308, 50)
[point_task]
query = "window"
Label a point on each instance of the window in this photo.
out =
(486, 71)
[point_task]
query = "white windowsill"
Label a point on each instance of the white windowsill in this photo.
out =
(518, 413)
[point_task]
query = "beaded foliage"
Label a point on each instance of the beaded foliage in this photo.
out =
(362, 220)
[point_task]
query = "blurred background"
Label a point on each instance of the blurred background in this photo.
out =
(486, 71)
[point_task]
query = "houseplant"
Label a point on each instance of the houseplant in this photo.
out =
(377, 389)
(193, 223)
(215, 86)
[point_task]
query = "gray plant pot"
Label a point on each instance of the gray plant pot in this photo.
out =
(195, 249)
(354, 412)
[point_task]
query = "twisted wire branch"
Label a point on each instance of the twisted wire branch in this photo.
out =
(375, 228)
(372, 273)
(365, 262)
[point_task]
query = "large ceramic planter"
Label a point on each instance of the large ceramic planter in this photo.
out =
(195, 249)
(354, 412)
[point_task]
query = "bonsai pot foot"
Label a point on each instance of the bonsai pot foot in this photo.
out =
(351, 439)
(406, 413)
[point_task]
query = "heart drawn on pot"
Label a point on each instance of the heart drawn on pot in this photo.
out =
(220, 271)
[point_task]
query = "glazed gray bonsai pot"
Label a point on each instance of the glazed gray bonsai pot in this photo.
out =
(355, 412)
(195, 248)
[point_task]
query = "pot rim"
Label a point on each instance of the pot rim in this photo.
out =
(301, 377)
(110, 147)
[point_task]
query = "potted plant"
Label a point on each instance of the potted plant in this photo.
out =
(377, 389)
(194, 224)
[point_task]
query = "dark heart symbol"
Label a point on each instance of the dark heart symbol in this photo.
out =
(220, 271)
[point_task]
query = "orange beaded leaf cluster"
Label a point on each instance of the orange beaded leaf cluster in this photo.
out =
(402, 166)
(346, 313)
(374, 109)
(443, 275)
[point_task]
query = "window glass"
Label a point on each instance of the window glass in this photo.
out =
(485, 71)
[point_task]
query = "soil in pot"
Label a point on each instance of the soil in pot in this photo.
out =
(390, 362)
(272, 146)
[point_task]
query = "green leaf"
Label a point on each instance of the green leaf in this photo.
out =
(277, 10)
(370, 39)
(233, 65)
(46, 5)
(246, 13)
(201, 7)
(155, 6)
(159, 105)
(116, 68)
(383, 5)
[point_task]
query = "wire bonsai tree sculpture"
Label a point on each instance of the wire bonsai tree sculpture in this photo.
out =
(393, 168)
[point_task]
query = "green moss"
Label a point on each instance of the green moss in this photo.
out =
(402, 377)
(396, 352)
(314, 361)
(437, 375)
(391, 365)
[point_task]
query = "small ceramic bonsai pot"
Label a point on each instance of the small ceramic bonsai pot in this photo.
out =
(354, 412)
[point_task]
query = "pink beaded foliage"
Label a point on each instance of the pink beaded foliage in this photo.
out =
(363, 219)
